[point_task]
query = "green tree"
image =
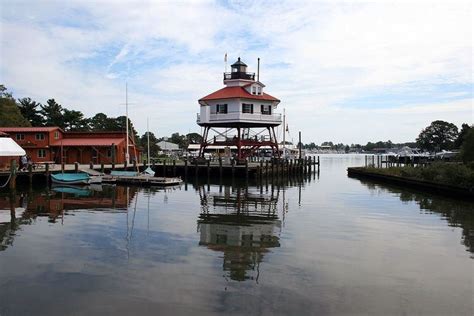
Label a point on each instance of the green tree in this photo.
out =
(178, 139)
(52, 113)
(467, 148)
(29, 110)
(438, 136)
(118, 124)
(193, 138)
(370, 146)
(10, 114)
(75, 121)
(154, 148)
(327, 144)
(99, 122)
(462, 134)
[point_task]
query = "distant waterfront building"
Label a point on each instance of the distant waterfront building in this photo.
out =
(167, 146)
(48, 143)
(240, 114)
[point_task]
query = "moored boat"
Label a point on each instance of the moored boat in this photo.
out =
(70, 178)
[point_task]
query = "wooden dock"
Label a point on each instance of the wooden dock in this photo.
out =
(142, 180)
(178, 168)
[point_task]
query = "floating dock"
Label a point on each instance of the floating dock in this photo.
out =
(143, 180)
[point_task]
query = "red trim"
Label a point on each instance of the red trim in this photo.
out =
(237, 92)
(28, 129)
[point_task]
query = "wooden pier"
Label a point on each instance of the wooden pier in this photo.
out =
(177, 168)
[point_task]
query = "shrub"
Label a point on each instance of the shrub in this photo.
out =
(455, 174)
(467, 148)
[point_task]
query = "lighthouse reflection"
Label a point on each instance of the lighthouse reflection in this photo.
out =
(241, 224)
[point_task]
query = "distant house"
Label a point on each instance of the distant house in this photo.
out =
(49, 143)
(167, 146)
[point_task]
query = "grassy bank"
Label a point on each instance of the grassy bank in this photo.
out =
(453, 174)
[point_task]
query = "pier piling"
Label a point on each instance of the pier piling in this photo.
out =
(13, 174)
(30, 174)
(220, 168)
(47, 174)
(186, 169)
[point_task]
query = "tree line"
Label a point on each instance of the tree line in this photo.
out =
(439, 135)
(25, 112)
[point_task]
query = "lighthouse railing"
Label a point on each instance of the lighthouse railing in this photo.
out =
(239, 116)
(239, 75)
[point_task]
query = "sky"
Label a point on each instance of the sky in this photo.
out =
(345, 71)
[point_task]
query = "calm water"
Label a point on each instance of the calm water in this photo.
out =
(329, 245)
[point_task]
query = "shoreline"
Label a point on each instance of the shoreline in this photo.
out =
(433, 187)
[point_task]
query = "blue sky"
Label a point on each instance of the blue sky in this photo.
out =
(347, 72)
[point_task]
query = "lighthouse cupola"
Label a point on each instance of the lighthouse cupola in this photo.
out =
(239, 72)
(239, 66)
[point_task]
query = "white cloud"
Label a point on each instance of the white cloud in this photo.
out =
(316, 57)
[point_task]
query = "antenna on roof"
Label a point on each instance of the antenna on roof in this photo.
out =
(258, 69)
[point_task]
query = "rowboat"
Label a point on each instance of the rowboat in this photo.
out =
(71, 178)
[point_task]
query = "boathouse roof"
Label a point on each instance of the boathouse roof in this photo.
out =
(28, 129)
(237, 92)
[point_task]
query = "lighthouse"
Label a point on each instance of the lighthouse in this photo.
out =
(240, 115)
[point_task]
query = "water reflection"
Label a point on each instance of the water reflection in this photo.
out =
(457, 213)
(25, 207)
(241, 223)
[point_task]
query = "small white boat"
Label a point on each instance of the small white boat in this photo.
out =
(95, 179)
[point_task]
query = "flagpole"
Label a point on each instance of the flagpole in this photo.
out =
(225, 61)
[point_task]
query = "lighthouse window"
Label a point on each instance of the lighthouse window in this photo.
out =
(254, 90)
(221, 108)
(247, 108)
(266, 109)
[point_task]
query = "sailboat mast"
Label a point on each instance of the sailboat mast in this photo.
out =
(127, 154)
(284, 132)
(148, 139)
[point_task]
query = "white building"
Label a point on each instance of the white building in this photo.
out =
(240, 107)
(167, 146)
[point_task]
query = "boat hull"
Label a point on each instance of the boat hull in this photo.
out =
(70, 178)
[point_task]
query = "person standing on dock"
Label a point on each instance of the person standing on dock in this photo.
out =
(23, 163)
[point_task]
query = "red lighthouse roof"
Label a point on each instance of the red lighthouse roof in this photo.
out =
(236, 92)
